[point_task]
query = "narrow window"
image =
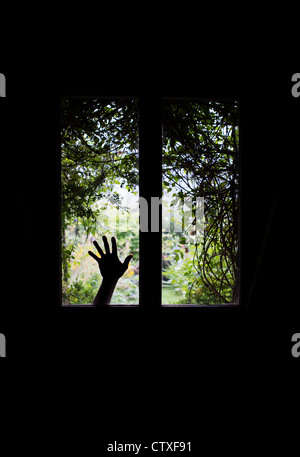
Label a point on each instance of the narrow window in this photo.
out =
(99, 189)
(200, 210)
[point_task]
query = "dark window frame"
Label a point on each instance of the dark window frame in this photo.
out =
(150, 185)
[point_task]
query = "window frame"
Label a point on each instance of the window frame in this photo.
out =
(150, 185)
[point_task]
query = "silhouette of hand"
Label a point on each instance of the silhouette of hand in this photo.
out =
(110, 266)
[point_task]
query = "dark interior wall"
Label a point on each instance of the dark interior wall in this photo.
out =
(268, 211)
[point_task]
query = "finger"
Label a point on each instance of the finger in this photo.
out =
(93, 255)
(106, 245)
(127, 260)
(114, 245)
(98, 248)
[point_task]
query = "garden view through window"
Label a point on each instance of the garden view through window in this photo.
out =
(200, 198)
(99, 179)
(200, 202)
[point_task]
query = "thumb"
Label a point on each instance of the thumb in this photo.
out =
(127, 260)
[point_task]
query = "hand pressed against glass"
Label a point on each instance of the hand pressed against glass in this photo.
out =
(111, 269)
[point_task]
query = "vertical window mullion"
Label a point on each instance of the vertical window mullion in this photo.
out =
(150, 185)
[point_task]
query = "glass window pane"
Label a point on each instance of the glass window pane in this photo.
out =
(99, 187)
(200, 203)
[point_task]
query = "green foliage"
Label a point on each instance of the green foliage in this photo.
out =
(80, 292)
(186, 280)
(83, 278)
(97, 141)
(83, 292)
(127, 291)
(99, 150)
(200, 144)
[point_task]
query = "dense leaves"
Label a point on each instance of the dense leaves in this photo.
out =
(99, 148)
(201, 160)
(98, 140)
